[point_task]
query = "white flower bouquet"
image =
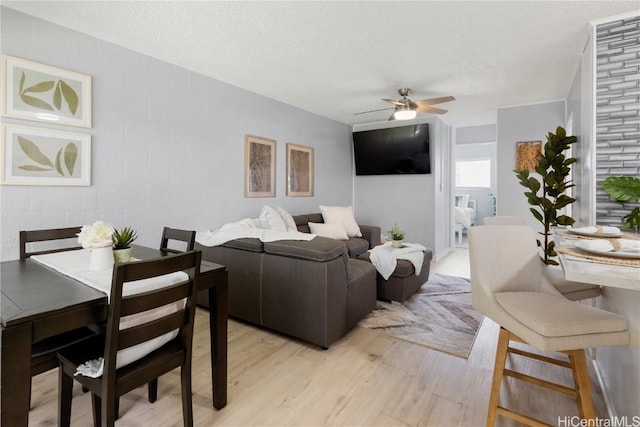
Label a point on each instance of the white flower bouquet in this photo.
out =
(98, 232)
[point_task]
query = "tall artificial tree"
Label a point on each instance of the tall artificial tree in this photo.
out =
(554, 169)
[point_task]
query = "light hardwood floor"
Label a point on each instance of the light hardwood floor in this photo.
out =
(365, 379)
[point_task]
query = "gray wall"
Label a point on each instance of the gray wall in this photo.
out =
(168, 144)
(471, 134)
(523, 123)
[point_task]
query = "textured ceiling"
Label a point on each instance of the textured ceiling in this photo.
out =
(339, 58)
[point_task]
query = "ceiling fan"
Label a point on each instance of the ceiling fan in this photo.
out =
(406, 108)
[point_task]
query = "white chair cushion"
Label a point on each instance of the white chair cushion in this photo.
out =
(332, 230)
(555, 316)
(343, 214)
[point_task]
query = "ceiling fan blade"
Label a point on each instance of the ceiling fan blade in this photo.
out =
(394, 102)
(392, 116)
(373, 111)
(429, 109)
(433, 101)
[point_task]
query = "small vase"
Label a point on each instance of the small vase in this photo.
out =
(122, 255)
(396, 243)
(101, 255)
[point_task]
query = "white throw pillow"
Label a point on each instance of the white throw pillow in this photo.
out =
(275, 220)
(344, 215)
(332, 230)
(288, 219)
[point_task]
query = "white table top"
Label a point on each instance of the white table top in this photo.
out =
(586, 271)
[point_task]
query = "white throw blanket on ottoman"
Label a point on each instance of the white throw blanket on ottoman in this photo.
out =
(385, 257)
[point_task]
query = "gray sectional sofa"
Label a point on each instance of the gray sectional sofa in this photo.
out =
(312, 290)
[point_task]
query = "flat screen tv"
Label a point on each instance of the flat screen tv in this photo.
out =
(399, 150)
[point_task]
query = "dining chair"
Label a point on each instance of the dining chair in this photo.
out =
(175, 234)
(59, 237)
(507, 285)
(169, 235)
(575, 291)
(118, 380)
(43, 353)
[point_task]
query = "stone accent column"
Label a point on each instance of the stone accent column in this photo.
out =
(617, 111)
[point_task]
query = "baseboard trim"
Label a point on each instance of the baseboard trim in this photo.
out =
(444, 253)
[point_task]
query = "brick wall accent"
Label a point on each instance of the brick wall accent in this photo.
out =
(617, 111)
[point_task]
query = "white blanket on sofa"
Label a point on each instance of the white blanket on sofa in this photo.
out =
(246, 228)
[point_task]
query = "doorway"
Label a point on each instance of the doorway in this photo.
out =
(474, 167)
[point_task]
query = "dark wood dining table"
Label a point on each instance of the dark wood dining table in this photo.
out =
(38, 302)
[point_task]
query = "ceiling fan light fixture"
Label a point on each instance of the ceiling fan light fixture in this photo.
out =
(404, 114)
(406, 108)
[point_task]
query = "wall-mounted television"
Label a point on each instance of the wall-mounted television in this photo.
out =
(390, 151)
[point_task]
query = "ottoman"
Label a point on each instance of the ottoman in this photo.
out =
(403, 282)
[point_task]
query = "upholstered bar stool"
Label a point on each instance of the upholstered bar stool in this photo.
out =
(575, 291)
(502, 220)
(508, 287)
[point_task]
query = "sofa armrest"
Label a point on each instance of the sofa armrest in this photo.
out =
(371, 233)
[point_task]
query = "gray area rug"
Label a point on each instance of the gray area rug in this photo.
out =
(439, 316)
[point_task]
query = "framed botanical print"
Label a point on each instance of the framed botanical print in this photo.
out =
(259, 166)
(34, 91)
(528, 154)
(37, 156)
(299, 170)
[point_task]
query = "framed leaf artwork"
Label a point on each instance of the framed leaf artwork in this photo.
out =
(34, 91)
(528, 154)
(36, 156)
(259, 166)
(299, 170)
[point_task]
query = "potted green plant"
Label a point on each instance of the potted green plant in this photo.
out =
(554, 169)
(122, 240)
(625, 189)
(493, 202)
(396, 236)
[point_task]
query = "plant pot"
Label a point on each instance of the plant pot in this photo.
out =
(101, 255)
(396, 243)
(122, 255)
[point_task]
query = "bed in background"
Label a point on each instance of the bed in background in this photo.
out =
(465, 214)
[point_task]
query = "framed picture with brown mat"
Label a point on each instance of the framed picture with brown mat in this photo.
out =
(299, 170)
(259, 166)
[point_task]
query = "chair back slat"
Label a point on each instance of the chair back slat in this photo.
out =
(48, 235)
(188, 237)
(149, 300)
(155, 328)
(139, 270)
